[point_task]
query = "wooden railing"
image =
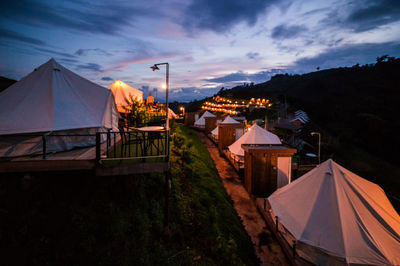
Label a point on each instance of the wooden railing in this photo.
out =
(110, 145)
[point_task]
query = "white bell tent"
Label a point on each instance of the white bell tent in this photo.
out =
(227, 120)
(338, 218)
(52, 100)
(255, 136)
(201, 122)
(123, 93)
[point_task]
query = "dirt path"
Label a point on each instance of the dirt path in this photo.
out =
(266, 246)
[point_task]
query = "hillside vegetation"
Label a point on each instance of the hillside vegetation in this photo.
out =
(356, 109)
(81, 219)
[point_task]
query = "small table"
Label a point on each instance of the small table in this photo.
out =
(151, 136)
(151, 129)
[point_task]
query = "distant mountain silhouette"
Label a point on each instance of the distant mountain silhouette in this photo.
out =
(358, 104)
(5, 83)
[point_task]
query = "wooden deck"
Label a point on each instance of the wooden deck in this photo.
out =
(75, 160)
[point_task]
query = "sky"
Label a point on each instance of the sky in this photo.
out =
(209, 44)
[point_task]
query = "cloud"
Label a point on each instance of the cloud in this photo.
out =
(287, 32)
(372, 14)
(8, 34)
(142, 57)
(221, 15)
(67, 60)
(347, 55)
(52, 52)
(97, 17)
(190, 93)
(251, 55)
(98, 51)
(243, 77)
(363, 15)
(90, 66)
(107, 79)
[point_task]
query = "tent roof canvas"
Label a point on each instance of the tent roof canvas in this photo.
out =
(53, 98)
(229, 120)
(215, 131)
(201, 121)
(341, 213)
(171, 114)
(123, 92)
(255, 135)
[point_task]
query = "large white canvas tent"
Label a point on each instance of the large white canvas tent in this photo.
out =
(338, 218)
(256, 136)
(201, 122)
(52, 100)
(123, 93)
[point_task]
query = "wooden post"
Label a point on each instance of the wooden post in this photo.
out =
(97, 147)
(44, 147)
(167, 145)
(166, 211)
(294, 249)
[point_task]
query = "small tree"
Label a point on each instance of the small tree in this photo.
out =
(136, 111)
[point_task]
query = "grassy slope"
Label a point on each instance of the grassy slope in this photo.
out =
(204, 206)
(80, 219)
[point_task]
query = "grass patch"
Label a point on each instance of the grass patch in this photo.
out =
(204, 207)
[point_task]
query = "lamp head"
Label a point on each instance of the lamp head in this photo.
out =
(154, 68)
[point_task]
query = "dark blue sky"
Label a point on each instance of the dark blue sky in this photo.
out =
(209, 43)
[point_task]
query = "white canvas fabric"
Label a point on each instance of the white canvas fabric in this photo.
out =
(123, 92)
(52, 99)
(171, 114)
(229, 120)
(201, 122)
(337, 216)
(255, 135)
(215, 132)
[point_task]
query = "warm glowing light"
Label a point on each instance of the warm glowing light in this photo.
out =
(164, 86)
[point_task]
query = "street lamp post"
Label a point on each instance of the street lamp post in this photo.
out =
(319, 145)
(167, 173)
(154, 68)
